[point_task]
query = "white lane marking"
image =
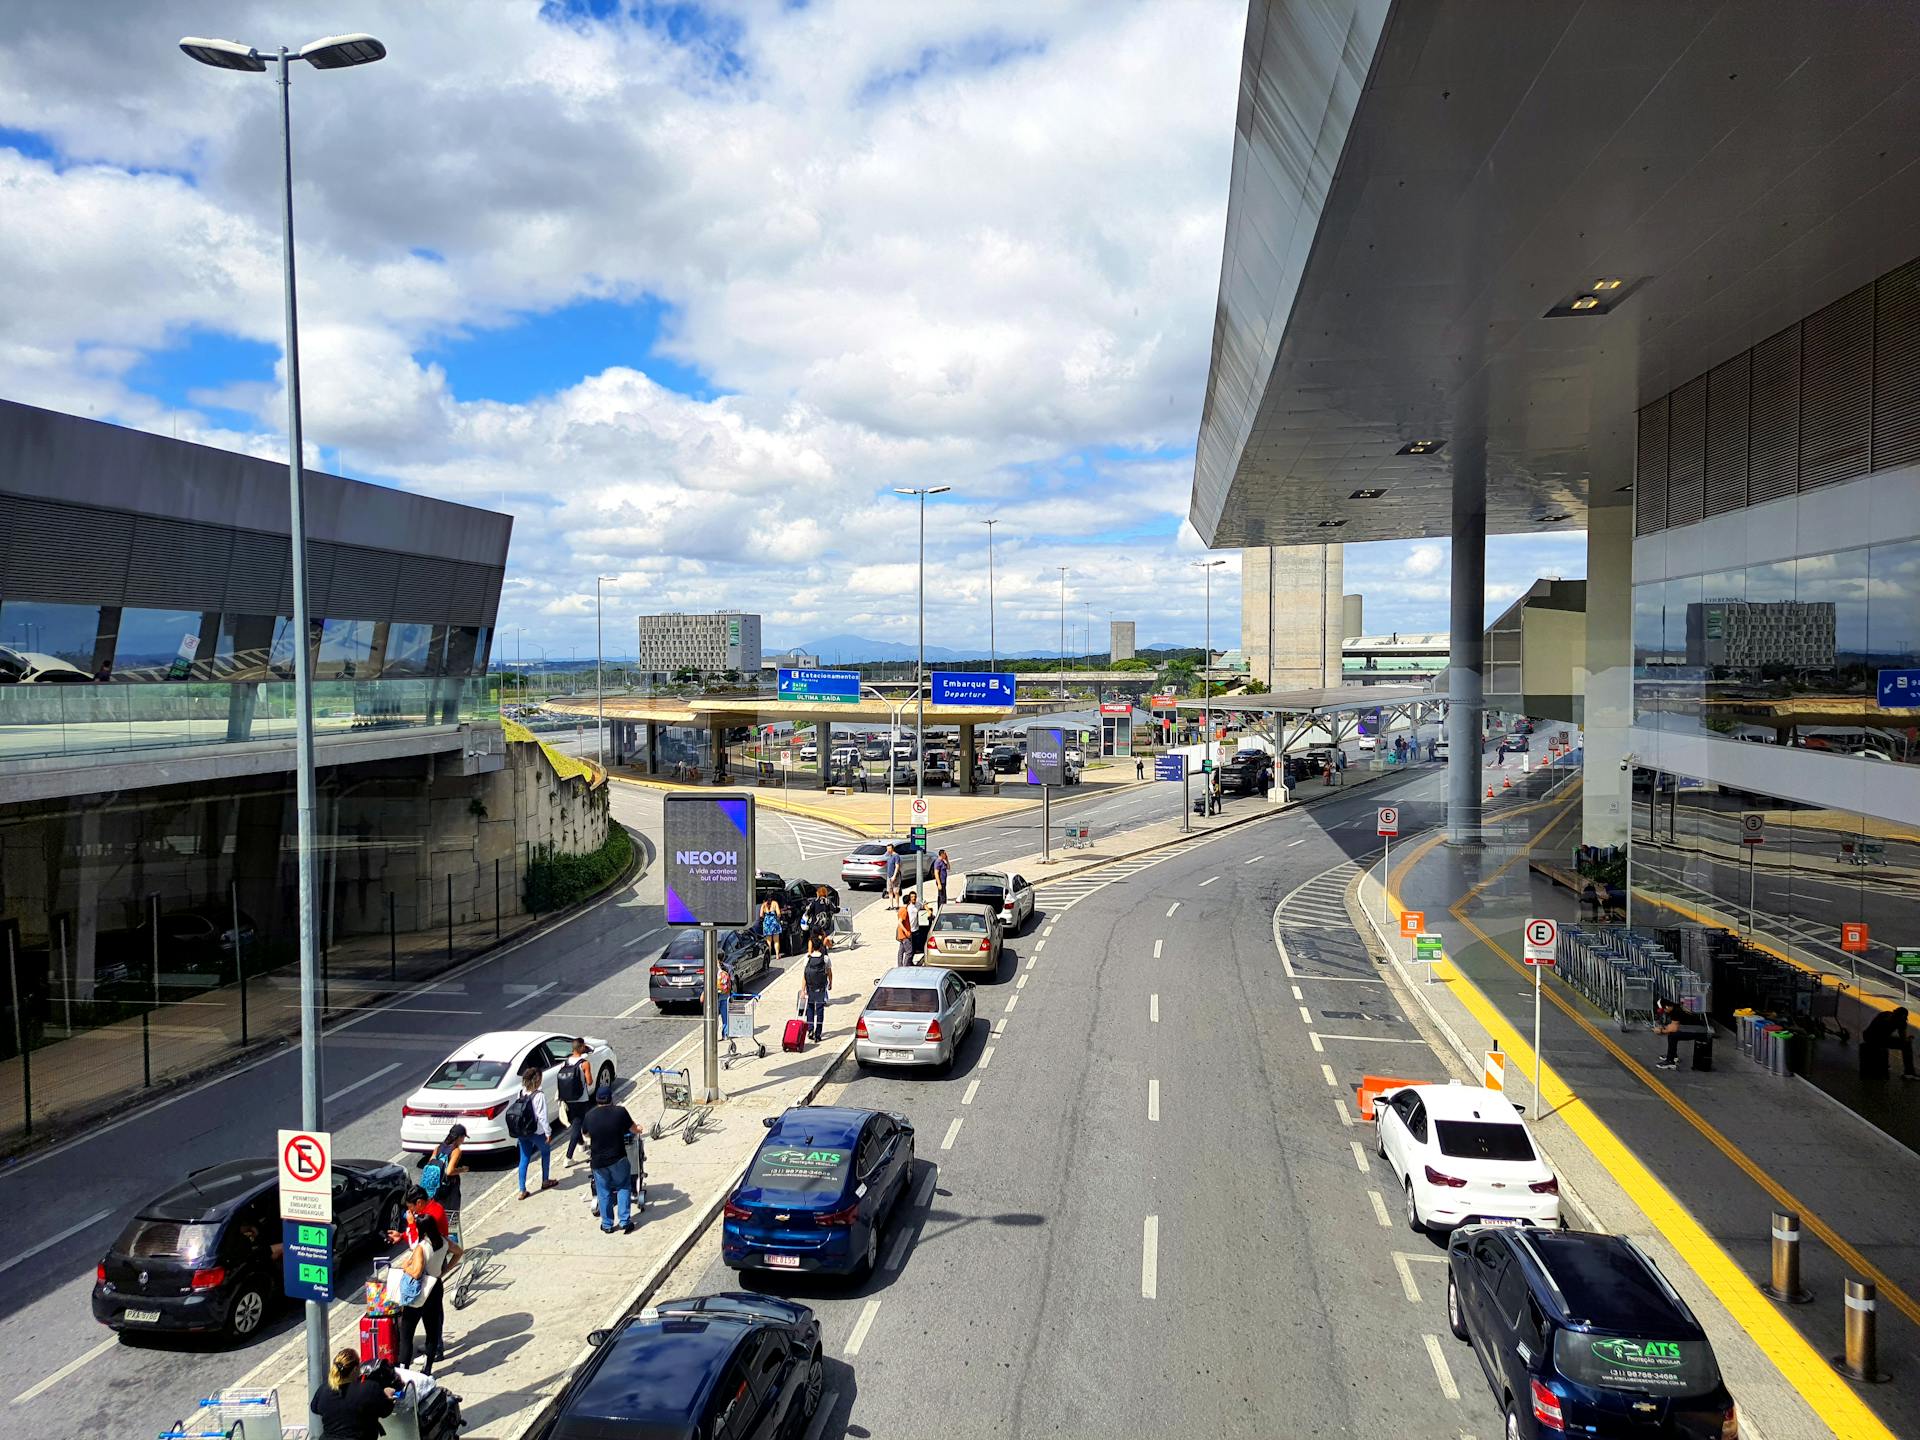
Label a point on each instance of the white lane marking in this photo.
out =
(972, 1087)
(1021, 983)
(953, 1133)
(53, 1240)
(1343, 979)
(986, 1057)
(1327, 1070)
(1153, 1009)
(1038, 946)
(1000, 1025)
(1346, 1116)
(1406, 1278)
(632, 1010)
(1012, 1001)
(364, 1080)
(35, 1391)
(898, 1251)
(1301, 841)
(1171, 908)
(1156, 949)
(924, 1196)
(1150, 1259)
(1153, 1101)
(1380, 1210)
(1440, 1371)
(641, 939)
(1253, 859)
(1372, 1039)
(823, 1416)
(1318, 1048)
(532, 994)
(1032, 961)
(1206, 882)
(1296, 993)
(1359, 1157)
(1306, 1016)
(860, 1328)
(1286, 961)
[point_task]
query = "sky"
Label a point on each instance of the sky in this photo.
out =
(689, 290)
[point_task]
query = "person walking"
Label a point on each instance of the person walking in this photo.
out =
(350, 1406)
(903, 930)
(942, 867)
(440, 1176)
(893, 873)
(575, 1087)
(536, 1138)
(607, 1127)
(819, 981)
(425, 1261)
(723, 989)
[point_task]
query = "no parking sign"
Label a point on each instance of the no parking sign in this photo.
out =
(1542, 939)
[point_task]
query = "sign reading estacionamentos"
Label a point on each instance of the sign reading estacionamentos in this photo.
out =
(831, 687)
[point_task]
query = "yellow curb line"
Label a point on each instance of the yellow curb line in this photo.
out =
(1783, 1345)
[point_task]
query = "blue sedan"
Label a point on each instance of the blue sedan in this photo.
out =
(819, 1191)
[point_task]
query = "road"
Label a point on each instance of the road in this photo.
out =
(1143, 1205)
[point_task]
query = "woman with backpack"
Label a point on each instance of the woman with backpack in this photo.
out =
(819, 983)
(419, 1294)
(528, 1122)
(575, 1086)
(440, 1176)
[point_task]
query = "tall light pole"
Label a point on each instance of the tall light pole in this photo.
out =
(1063, 632)
(336, 52)
(1206, 681)
(599, 686)
(920, 678)
(993, 648)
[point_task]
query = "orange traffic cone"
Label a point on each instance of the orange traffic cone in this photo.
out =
(1506, 782)
(1489, 792)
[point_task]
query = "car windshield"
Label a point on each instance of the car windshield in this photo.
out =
(871, 850)
(166, 1240)
(906, 1000)
(469, 1075)
(1651, 1367)
(965, 923)
(687, 945)
(802, 1169)
(1478, 1140)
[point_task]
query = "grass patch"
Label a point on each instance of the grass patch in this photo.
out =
(566, 766)
(557, 881)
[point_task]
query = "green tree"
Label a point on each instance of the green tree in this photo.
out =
(1134, 664)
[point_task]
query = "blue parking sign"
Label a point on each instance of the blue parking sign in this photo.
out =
(1899, 689)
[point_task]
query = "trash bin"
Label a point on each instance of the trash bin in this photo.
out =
(1703, 1052)
(1799, 1048)
(1778, 1051)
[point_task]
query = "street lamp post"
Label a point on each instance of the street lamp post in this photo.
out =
(920, 677)
(335, 52)
(1206, 681)
(599, 685)
(993, 648)
(1063, 632)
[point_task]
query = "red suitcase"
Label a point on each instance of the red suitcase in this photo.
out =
(376, 1338)
(795, 1036)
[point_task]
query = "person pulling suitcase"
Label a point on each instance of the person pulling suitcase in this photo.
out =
(819, 985)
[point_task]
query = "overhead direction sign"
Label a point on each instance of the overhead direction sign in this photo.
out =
(1388, 820)
(973, 687)
(1753, 828)
(1412, 922)
(306, 1175)
(1542, 941)
(831, 687)
(1899, 689)
(1169, 767)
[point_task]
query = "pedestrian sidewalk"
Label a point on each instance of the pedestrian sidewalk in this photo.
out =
(1690, 1164)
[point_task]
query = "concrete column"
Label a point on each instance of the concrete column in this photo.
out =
(716, 751)
(1467, 645)
(241, 701)
(1608, 681)
(966, 760)
(823, 758)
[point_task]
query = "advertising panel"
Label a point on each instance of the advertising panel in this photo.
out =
(1046, 756)
(707, 853)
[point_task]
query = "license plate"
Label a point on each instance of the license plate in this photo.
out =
(140, 1317)
(784, 1262)
(1501, 1220)
(896, 1054)
(682, 979)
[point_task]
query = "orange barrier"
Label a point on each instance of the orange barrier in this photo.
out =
(1371, 1087)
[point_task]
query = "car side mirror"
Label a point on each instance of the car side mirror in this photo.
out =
(906, 1128)
(597, 1338)
(769, 1121)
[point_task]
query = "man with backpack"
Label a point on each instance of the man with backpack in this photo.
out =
(819, 982)
(574, 1084)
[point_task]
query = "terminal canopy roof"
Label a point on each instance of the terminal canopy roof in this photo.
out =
(759, 710)
(1344, 700)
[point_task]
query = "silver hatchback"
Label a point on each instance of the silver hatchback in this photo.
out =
(917, 1015)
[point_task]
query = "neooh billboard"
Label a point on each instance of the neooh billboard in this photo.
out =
(707, 847)
(1046, 756)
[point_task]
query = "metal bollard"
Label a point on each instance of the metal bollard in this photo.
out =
(1785, 1283)
(1862, 1360)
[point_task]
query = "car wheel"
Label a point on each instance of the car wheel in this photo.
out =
(871, 1260)
(1513, 1421)
(1456, 1317)
(390, 1217)
(1413, 1212)
(248, 1310)
(604, 1077)
(1379, 1139)
(813, 1389)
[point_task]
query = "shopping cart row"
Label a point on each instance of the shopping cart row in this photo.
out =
(1628, 974)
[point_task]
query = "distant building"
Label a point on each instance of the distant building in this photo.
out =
(711, 644)
(1353, 616)
(1402, 658)
(1292, 615)
(790, 660)
(1760, 634)
(1121, 646)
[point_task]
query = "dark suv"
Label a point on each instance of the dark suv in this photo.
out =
(199, 1256)
(1579, 1334)
(716, 1367)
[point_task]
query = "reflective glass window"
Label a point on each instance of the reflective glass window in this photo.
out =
(158, 645)
(1648, 602)
(346, 650)
(241, 648)
(69, 635)
(410, 650)
(462, 648)
(1893, 606)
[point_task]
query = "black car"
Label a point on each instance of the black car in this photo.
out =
(1006, 760)
(717, 1367)
(675, 976)
(1579, 1334)
(1248, 773)
(198, 1257)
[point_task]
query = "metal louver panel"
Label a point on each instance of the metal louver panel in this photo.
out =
(178, 564)
(319, 582)
(1836, 401)
(1896, 368)
(1686, 451)
(67, 554)
(1727, 411)
(1773, 431)
(467, 605)
(257, 573)
(364, 580)
(423, 589)
(1650, 470)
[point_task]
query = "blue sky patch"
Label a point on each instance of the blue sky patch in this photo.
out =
(976, 52)
(206, 360)
(714, 39)
(29, 143)
(542, 354)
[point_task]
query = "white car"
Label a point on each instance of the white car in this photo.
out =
(472, 1086)
(810, 751)
(1463, 1157)
(1367, 742)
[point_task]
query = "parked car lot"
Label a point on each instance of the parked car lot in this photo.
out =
(1580, 1334)
(473, 1085)
(819, 1191)
(1463, 1156)
(916, 1016)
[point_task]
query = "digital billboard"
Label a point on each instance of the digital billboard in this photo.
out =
(706, 850)
(1046, 756)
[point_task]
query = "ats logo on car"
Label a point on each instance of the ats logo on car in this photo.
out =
(1647, 1355)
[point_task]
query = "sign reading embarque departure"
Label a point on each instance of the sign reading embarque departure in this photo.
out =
(706, 847)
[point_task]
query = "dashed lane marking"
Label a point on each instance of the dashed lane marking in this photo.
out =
(1327, 1070)
(986, 1057)
(1296, 993)
(1032, 960)
(363, 1080)
(1013, 1001)
(973, 1087)
(1359, 1157)
(1318, 1048)
(1021, 983)
(1440, 1371)
(1171, 908)
(640, 939)
(863, 1325)
(1208, 881)
(1306, 1016)
(953, 1133)
(924, 1195)
(1253, 860)
(897, 1252)
(1367, 1039)
(1153, 1009)
(532, 994)
(1038, 946)
(1156, 949)
(1301, 841)
(1000, 1026)
(1150, 1259)
(65, 1370)
(1346, 1116)
(54, 1240)
(824, 1416)
(1153, 1101)
(1380, 1210)
(1406, 1278)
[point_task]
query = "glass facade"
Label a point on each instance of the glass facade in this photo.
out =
(1784, 653)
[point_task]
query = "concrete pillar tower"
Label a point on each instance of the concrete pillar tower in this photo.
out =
(1292, 619)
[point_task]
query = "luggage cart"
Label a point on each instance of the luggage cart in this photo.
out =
(740, 1021)
(676, 1099)
(1076, 837)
